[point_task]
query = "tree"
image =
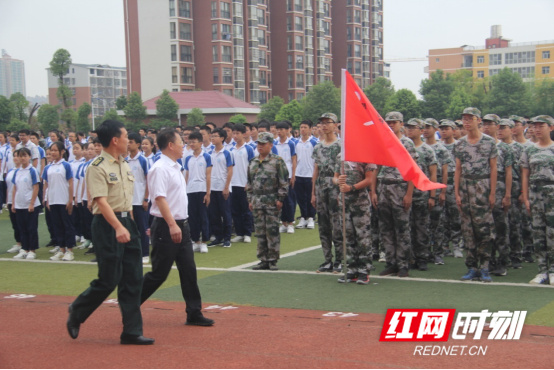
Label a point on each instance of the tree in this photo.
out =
(379, 93)
(135, 111)
(269, 110)
(48, 117)
(544, 98)
(405, 102)
(59, 67)
(70, 117)
(238, 118)
(323, 98)
(111, 114)
(292, 112)
(16, 124)
(159, 123)
(459, 100)
(121, 102)
(436, 92)
(166, 107)
(82, 117)
(20, 105)
(195, 117)
(6, 112)
(508, 94)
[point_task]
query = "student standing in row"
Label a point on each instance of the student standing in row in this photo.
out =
(9, 201)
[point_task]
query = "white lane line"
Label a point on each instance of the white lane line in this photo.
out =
(250, 264)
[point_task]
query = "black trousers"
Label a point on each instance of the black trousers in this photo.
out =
(27, 223)
(63, 231)
(15, 226)
(164, 253)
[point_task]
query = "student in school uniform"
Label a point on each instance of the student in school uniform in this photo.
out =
(59, 186)
(9, 201)
(86, 209)
(41, 163)
(78, 160)
(148, 150)
(24, 204)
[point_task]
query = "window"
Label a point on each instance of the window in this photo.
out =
(299, 80)
(214, 9)
(225, 10)
(546, 70)
(263, 97)
(216, 75)
(215, 53)
(174, 77)
(263, 78)
(299, 62)
(261, 37)
(263, 58)
(214, 31)
(290, 81)
(348, 33)
(546, 54)
(172, 31)
(358, 33)
(184, 31)
(298, 43)
(298, 24)
(437, 60)
(524, 72)
(326, 28)
(520, 57)
(495, 59)
(480, 59)
(226, 54)
(327, 46)
(92, 71)
(261, 16)
(186, 53)
(172, 8)
(349, 50)
(184, 9)
(298, 5)
(357, 16)
(227, 75)
(493, 72)
(186, 75)
(173, 53)
(480, 74)
(289, 61)
(226, 31)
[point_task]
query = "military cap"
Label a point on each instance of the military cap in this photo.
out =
(473, 111)
(459, 123)
(491, 117)
(432, 122)
(448, 123)
(544, 118)
(517, 118)
(265, 137)
(506, 122)
(332, 116)
(416, 122)
(394, 116)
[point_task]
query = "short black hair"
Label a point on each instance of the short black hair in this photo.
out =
(229, 125)
(188, 128)
(196, 136)
(274, 123)
(165, 137)
(307, 122)
(247, 125)
(263, 124)
(135, 137)
(23, 151)
(24, 131)
(35, 134)
(152, 130)
(210, 124)
(206, 128)
(282, 125)
(221, 132)
(95, 140)
(253, 125)
(15, 136)
(287, 122)
(240, 128)
(108, 130)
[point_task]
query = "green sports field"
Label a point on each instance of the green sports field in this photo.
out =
(225, 277)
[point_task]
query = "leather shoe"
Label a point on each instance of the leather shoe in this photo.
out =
(135, 339)
(199, 321)
(73, 325)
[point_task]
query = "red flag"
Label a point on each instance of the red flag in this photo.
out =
(368, 139)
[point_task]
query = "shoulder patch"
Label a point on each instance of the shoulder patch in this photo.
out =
(97, 161)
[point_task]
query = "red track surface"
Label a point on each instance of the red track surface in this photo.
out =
(33, 335)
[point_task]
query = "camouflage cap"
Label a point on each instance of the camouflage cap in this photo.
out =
(332, 116)
(394, 116)
(447, 123)
(432, 122)
(491, 117)
(459, 123)
(515, 118)
(265, 137)
(544, 119)
(506, 122)
(416, 122)
(473, 111)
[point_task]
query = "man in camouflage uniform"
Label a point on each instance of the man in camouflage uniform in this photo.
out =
(325, 194)
(353, 184)
(450, 218)
(423, 201)
(537, 166)
(475, 188)
(504, 163)
(267, 187)
(444, 159)
(393, 196)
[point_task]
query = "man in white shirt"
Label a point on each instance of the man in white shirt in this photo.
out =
(170, 230)
(304, 171)
(25, 142)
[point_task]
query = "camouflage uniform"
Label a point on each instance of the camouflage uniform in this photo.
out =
(540, 162)
(477, 221)
(514, 214)
(327, 194)
(357, 218)
(394, 220)
(526, 229)
(443, 157)
(268, 182)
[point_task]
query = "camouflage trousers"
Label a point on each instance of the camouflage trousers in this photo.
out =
(501, 250)
(394, 224)
(357, 226)
(514, 222)
(542, 216)
(419, 226)
(328, 219)
(477, 222)
(376, 244)
(526, 230)
(434, 222)
(450, 223)
(266, 229)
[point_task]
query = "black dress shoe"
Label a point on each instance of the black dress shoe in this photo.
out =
(199, 321)
(135, 339)
(73, 325)
(50, 244)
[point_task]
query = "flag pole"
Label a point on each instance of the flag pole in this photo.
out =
(342, 131)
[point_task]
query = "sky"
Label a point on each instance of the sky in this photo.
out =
(93, 31)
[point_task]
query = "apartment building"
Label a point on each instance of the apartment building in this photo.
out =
(12, 75)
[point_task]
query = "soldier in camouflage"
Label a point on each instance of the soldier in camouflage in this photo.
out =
(475, 188)
(325, 194)
(537, 166)
(393, 196)
(267, 187)
(423, 201)
(353, 184)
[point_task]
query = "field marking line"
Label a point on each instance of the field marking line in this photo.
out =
(294, 253)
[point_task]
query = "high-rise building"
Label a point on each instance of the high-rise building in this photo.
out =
(96, 84)
(529, 59)
(251, 49)
(12, 75)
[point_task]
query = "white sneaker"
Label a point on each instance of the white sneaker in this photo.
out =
(196, 247)
(282, 229)
(203, 248)
(290, 229)
(68, 256)
(302, 223)
(237, 239)
(247, 239)
(145, 260)
(539, 279)
(212, 238)
(551, 276)
(31, 256)
(16, 248)
(310, 224)
(382, 257)
(82, 240)
(77, 238)
(58, 256)
(21, 255)
(54, 250)
(458, 253)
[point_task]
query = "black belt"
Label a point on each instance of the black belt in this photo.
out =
(390, 182)
(542, 182)
(123, 214)
(476, 177)
(178, 222)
